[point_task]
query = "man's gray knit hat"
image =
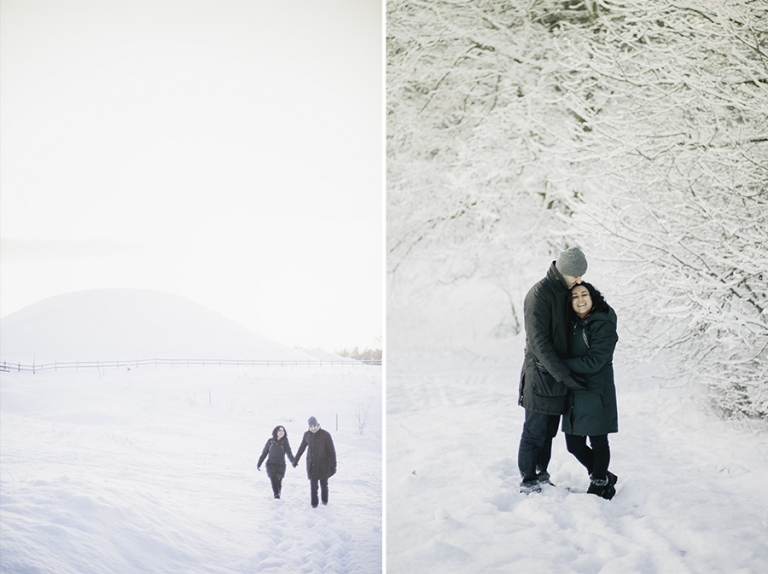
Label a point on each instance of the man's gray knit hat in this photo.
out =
(571, 262)
(313, 421)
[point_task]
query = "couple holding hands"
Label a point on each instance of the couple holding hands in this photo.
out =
(321, 459)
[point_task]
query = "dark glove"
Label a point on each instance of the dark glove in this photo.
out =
(258, 468)
(295, 464)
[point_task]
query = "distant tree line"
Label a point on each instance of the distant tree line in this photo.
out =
(366, 354)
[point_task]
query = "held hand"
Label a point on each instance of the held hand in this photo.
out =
(295, 464)
(573, 383)
(258, 468)
(580, 380)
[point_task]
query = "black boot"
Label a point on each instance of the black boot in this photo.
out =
(542, 476)
(602, 488)
(529, 486)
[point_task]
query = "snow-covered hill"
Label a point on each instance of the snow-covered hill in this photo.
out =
(329, 357)
(128, 324)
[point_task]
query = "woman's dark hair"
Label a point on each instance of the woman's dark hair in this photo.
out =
(598, 301)
(278, 427)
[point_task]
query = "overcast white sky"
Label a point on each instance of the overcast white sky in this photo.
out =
(227, 151)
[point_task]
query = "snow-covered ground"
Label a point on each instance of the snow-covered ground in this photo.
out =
(153, 469)
(691, 496)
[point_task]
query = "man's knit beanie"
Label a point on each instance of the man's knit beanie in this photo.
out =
(571, 262)
(313, 422)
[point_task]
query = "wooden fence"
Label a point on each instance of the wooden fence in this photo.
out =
(117, 364)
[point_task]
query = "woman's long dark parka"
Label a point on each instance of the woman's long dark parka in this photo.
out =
(593, 411)
(276, 450)
(321, 457)
(544, 375)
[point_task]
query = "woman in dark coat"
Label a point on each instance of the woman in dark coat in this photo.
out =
(277, 448)
(592, 412)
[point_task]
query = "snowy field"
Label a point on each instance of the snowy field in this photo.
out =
(154, 470)
(691, 496)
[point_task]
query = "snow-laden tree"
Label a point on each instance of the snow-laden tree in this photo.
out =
(679, 186)
(638, 127)
(472, 114)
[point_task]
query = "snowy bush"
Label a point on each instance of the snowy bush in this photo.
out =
(361, 416)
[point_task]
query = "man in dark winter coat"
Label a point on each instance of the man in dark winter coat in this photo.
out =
(545, 379)
(321, 459)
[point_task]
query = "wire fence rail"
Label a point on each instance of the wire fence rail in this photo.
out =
(7, 367)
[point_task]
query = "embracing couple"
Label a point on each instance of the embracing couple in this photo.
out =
(568, 370)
